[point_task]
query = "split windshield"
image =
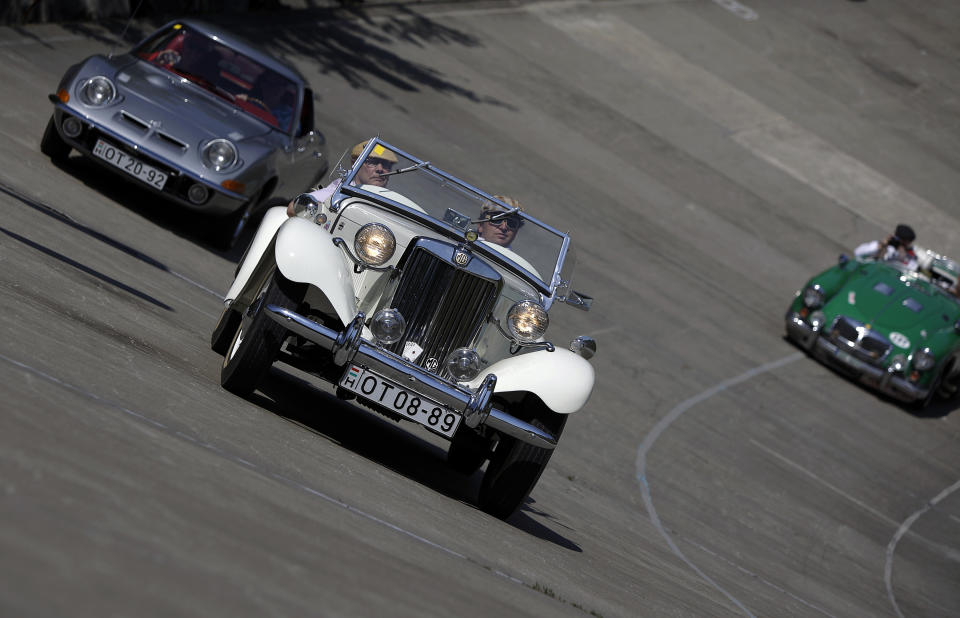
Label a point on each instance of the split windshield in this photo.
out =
(513, 236)
(241, 80)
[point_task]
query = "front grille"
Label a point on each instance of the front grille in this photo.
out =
(144, 126)
(864, 343)
(444, 306)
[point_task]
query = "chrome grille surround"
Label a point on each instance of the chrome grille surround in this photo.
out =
(445, 305)
(862, 342)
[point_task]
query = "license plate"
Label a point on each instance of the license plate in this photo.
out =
(392, 396)
(131, 165)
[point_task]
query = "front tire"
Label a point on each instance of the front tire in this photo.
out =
(256, 343)
(513, 472)
(52, 144)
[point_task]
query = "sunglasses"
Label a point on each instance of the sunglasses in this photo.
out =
(513, 222)
(374, 162)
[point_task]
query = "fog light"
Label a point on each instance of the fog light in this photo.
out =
(387, 326)
(898, 363)
(197, 193)
(463, 364)
(71, 126)
(817, 319)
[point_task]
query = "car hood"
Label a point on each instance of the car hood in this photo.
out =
(154, 94)
(888, 301)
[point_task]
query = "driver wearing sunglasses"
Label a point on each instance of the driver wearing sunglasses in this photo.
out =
(499, 231)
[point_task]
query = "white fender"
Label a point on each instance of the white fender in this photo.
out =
(306, 254)
(562, 379)
(272, 220)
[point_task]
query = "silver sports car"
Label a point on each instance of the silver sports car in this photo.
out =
(197, 115)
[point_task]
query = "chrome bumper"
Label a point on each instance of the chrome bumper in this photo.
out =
(827, 352)
(348, 347)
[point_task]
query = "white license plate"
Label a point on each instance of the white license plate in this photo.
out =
(131, 165)
(390, 395)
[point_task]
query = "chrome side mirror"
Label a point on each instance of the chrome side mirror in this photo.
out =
(305, 203)
(578, 300)
(843, 259)
(584, 346)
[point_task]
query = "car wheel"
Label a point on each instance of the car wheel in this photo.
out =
(514, 470)
(256, 342)
(935, 384)
(52, 144)
(467, 451)
(224, 331)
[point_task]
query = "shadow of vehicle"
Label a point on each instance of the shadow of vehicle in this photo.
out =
(385, 443)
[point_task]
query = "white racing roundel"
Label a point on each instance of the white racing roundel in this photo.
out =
(900, 340)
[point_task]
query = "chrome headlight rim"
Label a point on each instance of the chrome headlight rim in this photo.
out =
(226, 158)
(374, 244)
(463, 364)
(527, 321)
(923, 359)
(97, 91)
(812, 297)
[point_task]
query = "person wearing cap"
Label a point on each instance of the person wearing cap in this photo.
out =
(501, 231)
(898, 247)
(378, 162)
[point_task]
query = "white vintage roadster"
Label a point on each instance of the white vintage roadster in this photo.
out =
(396, 284)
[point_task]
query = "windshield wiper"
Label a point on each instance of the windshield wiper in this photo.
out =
(404, 170)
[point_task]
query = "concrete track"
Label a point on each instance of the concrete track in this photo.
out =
(707, 157)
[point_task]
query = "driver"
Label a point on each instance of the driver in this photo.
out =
(898, 247)
(379, 162)
(501, 231)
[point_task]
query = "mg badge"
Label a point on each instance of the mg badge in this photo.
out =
(432, 364)
(460, 257)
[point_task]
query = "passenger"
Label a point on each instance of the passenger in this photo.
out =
(274, 94)
(379, 162)
(500, 231)
(898, 247)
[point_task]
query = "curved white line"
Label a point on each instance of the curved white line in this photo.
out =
(660, 427)
(902, 530)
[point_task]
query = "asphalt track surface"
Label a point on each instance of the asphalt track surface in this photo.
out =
(707, 157)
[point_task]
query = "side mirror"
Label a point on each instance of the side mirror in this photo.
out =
(305, 203)
(843, 259)
(584, 346)
(578, 300)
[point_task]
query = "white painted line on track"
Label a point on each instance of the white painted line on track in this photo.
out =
(662, 425)
(279, 477)
(902, 530)
(832, 488)
(741, 11)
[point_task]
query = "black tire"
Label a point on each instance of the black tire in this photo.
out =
(52, 144)
(467, 451)
(256, 343)
(512, 474)
(223, 332)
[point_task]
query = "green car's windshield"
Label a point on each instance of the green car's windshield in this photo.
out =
(508, 234)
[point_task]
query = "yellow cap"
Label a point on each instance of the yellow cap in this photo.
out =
(378, 151)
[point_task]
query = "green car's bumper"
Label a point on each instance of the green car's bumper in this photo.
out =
(888, 382)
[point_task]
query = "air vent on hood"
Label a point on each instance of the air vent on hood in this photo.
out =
(913, 305)
(883, 288)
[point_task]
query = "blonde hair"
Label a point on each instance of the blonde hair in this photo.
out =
(512, 202)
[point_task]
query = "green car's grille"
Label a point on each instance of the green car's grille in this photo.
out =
(866, 344)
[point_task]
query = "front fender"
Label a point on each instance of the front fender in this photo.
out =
(272, 220)
(561, 379)
(305, 253)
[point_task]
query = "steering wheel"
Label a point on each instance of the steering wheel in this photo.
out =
(258, 103)
(168, 56)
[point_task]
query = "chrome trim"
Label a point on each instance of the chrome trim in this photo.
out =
(390, 366)
(357, 261)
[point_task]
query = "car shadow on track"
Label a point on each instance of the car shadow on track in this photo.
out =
(196, 227)
(386, 443)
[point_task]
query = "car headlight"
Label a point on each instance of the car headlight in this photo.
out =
(97, 91)
(923, 360)
(219, 154)
(527, 320)
(812, 297)
(374, 244)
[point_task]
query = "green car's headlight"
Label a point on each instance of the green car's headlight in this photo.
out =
(527, 321)
(923, 360)
(812, 297)
(375, 244)
(97, 91)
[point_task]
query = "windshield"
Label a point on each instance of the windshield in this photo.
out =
(239, 79)
(500, 229)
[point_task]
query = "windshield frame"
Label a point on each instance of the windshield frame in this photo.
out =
(547, 288)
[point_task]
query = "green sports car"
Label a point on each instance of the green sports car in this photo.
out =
(888, 326)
